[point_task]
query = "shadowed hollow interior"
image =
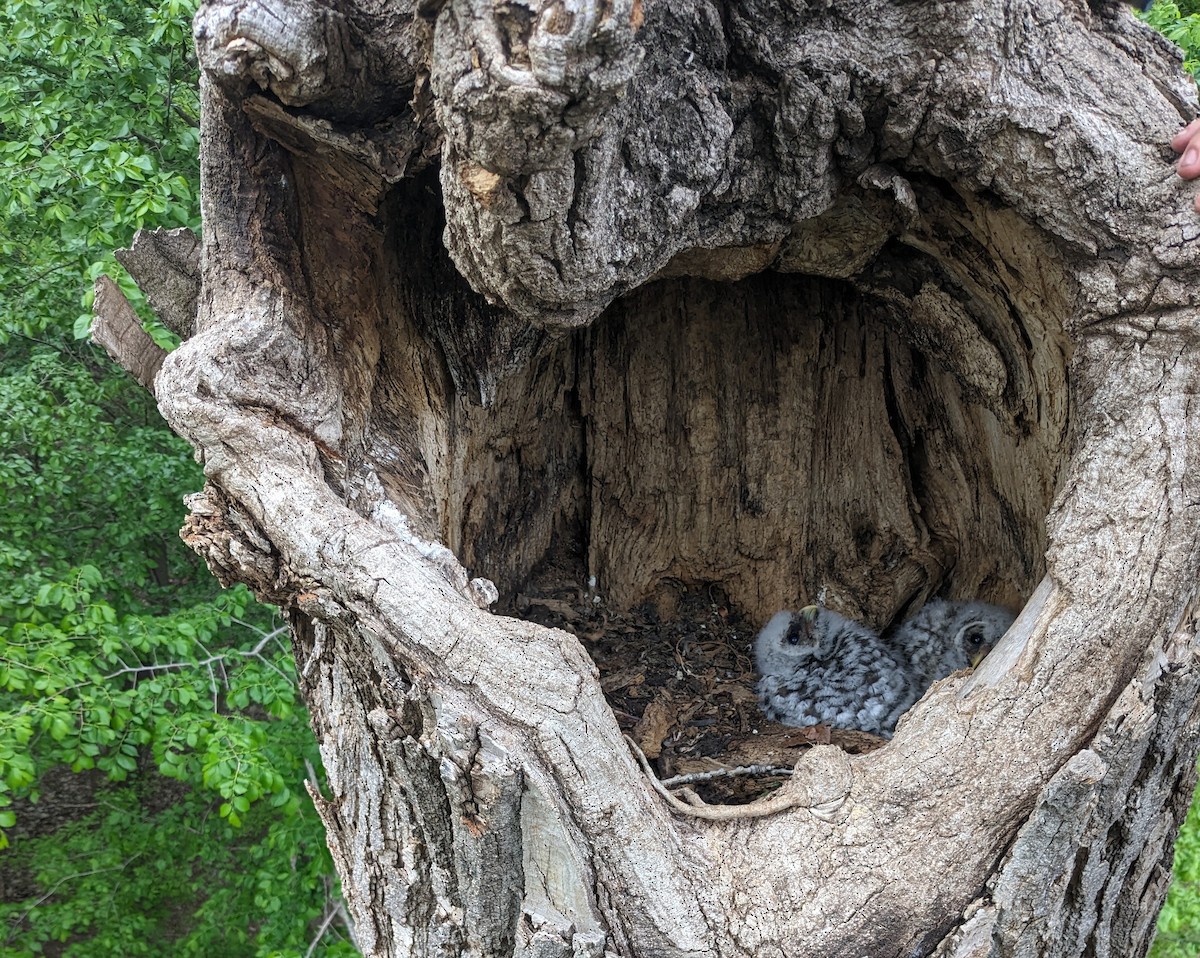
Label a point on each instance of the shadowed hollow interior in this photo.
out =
(884, 432)
(786, 436)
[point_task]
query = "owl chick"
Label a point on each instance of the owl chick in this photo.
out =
(820, 667)
(946, 636)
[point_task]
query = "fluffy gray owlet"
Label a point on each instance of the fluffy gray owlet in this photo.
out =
(945, 637)
(820, 667)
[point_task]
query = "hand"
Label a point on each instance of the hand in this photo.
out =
(1187, 142)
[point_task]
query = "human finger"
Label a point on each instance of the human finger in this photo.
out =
(1189, 164)
(1180, 140)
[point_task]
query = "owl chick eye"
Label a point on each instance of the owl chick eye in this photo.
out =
(793, 638)
(973, 639)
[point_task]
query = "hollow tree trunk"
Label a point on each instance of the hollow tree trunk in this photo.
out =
(861, 299)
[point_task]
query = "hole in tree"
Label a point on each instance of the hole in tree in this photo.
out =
(707, 453)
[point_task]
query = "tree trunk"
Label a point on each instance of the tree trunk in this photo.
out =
(857, 299)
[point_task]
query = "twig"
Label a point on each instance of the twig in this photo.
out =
(53, 888)
(694, 777)
(780, 801)
(313, 778)
(216, 691)
(213, 662)
(185, 116)
(329, 916)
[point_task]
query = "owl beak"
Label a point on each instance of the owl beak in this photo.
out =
(809, 613)
(980, 656)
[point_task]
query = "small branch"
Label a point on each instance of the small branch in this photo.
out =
(329, 916)
(41, 342)
(781, 801)
(740, 770)
(85, 874)
(215, 686)
(347, 921)
(37, 278)
(184, 115)
(145, 140)
(313, 783)
(212, 662)
(117, 328)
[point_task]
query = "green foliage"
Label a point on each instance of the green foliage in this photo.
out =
(135, 662)
(90, 688)
(1179, 920)
(119, 656)
(205, 694)
(129, 871)
(87, 470)
(98, 137)
(1180, 23)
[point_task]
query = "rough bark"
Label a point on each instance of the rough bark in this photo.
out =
(166, 266)
(867, 300)
(117, 328)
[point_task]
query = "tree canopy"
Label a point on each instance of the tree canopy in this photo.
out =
(171, 702)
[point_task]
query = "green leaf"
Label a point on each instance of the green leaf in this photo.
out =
(118, 651)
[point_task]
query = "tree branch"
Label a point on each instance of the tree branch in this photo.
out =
(116, 327)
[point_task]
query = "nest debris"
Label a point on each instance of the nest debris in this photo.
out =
(678, 672)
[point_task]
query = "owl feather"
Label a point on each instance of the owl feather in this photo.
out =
(947, 636)
(818, 667)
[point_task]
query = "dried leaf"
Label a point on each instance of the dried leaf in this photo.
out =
(655, 725)
(624, 679)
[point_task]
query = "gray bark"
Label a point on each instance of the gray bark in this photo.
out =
(868, 299)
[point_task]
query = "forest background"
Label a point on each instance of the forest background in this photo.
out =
(152, 746)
